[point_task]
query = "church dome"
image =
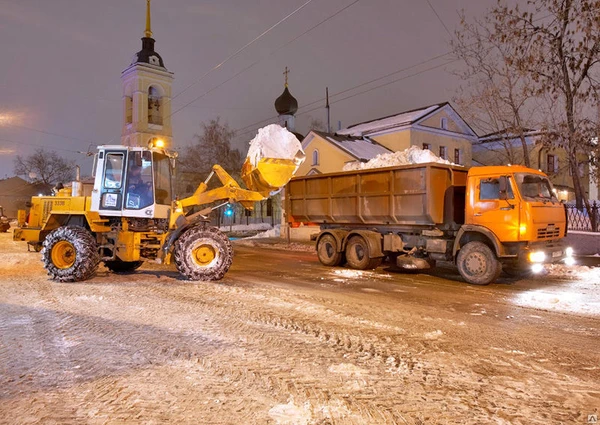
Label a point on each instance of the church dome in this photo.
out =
(147, 54)
(286, 104)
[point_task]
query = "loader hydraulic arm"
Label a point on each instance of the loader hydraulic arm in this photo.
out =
(230, 191)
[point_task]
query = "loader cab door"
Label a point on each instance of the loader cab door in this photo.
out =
(139, 192)
(112, 182)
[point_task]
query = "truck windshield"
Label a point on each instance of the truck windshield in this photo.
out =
(534, 187)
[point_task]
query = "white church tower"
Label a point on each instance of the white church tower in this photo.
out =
(146, 95)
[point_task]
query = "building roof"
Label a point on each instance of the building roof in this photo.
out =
(507, 135)
(360, 148)
(391, 121)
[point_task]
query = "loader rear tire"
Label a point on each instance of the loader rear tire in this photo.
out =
(358, 255)
(118, 266)
(478, 264)
(203, 253)
(328, 253)
(70, 254)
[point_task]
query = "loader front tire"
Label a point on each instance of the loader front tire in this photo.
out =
(203, 253)
(70, 254)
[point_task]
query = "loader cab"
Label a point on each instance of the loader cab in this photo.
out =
(132, 182)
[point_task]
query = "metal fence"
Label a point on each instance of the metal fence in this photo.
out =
(584, 220)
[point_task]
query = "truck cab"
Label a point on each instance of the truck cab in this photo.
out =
(519, 211)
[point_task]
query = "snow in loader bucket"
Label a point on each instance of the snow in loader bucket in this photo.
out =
(273, 157)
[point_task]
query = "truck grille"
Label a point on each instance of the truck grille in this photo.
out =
(549, 232)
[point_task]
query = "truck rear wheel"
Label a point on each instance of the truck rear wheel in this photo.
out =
(203, 253)
(358, 256)
(328, 253)
(477, 263)
(70, 254)
(118, 266)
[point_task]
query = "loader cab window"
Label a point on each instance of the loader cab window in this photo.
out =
(113, 176)
(112, 182)
(162, 179)
(139, 180)
(489, 190)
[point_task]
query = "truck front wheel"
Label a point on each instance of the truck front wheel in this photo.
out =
(203, 254)
(70, 254)
(358, 256)
(328, 253)
(477, 263)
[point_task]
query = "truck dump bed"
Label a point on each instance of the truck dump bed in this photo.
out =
(420, 194)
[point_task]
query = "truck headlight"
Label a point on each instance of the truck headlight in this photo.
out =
(537, 257)
(537, 268)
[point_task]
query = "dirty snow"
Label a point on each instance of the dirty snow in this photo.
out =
(289, 413)
(412, 155)
(274, 141)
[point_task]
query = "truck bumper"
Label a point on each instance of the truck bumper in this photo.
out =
(535, 255)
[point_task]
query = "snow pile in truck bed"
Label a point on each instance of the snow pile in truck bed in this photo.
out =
(412, 155)
(274, 141)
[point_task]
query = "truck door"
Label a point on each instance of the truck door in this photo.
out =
(501, 216)
(111, 191)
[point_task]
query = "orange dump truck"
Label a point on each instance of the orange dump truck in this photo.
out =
(485, 219)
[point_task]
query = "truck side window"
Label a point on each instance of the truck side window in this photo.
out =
(489, 190)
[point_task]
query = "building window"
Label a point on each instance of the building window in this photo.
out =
(457, 156)
(552, 164)
(154, 107)
(315, 157)
(444, 123)
(443, 152)
(128, 110)
(426, 146)
(580, 167)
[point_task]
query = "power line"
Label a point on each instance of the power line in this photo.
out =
(39, 146)
(240, 50)
(270, 54)
(440, 19)
(358, 86)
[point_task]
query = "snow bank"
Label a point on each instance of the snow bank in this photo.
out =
(412, 155)
(274, 141)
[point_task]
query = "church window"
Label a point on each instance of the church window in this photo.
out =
(444, 123)
(128, 110)
(154, 107)
(315, 157)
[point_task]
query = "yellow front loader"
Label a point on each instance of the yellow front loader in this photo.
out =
(130, 214)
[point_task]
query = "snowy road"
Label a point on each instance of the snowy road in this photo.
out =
(283, 340)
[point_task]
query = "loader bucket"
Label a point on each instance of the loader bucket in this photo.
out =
(273, 157)
(270, 174)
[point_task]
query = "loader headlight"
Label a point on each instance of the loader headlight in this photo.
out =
(156, 143)
(537, 257)
(569, 252)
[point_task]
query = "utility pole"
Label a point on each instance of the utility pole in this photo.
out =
(327, 107)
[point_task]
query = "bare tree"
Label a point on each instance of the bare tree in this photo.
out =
(495, 98)
(557, 44)
(212, 146)
(45, 167)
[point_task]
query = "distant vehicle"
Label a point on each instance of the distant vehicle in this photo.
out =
(4, 223)
(485, 220)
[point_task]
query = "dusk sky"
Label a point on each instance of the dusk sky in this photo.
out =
(62, 61)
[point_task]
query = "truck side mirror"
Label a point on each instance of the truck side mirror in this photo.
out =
(502, 187)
